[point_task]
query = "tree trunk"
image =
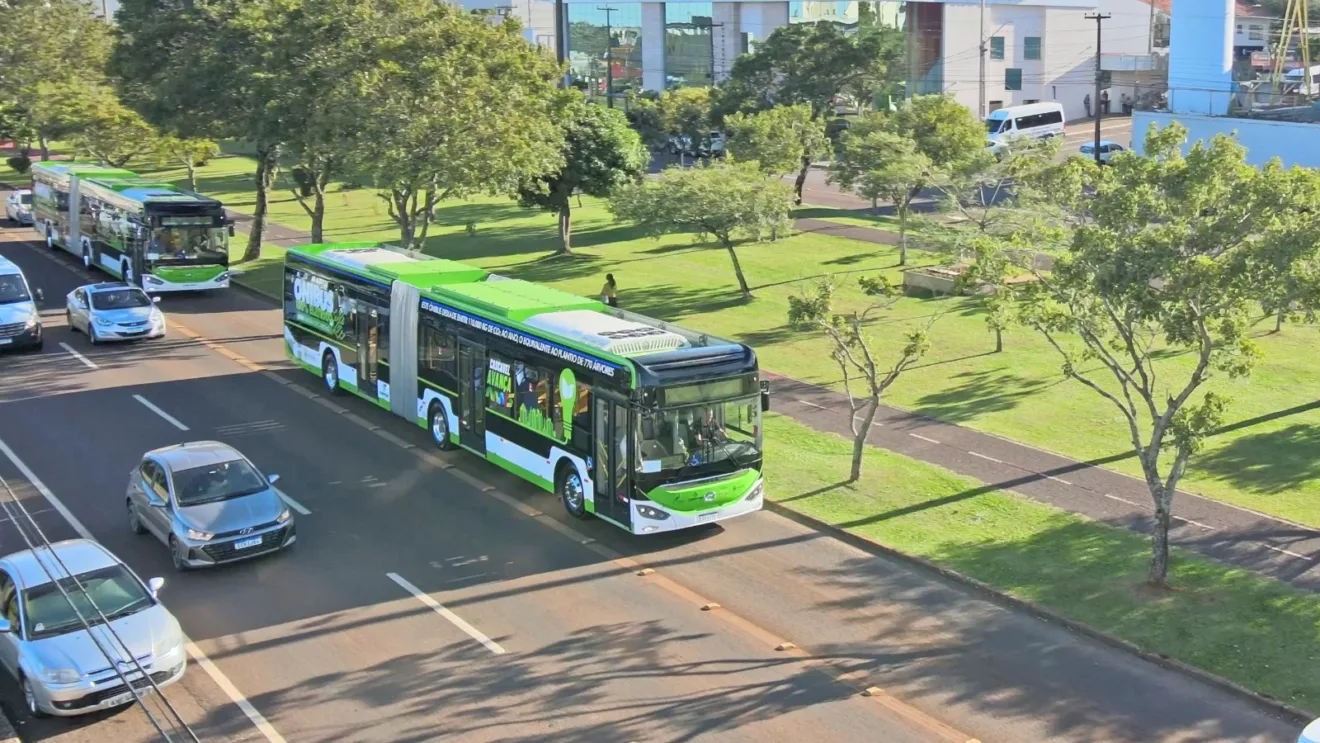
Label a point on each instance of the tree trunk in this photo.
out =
(429, 201)
(1159, 557)
(1278, 318)
(565, 228)
(902, 237)
(859, 440)
(737, 270)
(999, 340)
(318, 216)
(45, 147)
(801, 181)
(267, 167)
(192, 174)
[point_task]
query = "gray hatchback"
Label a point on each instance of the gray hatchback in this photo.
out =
(208, 504)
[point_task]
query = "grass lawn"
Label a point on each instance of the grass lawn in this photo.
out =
(1265, 460)
(1258, 632)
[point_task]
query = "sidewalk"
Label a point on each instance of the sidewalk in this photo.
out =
(1266, 545)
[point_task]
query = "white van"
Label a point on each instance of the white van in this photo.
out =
(20, 322)
(1033, 121)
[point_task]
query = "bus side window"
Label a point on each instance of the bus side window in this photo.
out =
(582, 418)
(439, 356)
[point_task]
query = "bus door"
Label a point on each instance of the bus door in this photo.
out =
(472, 395)
(368, 349)
(612, 470)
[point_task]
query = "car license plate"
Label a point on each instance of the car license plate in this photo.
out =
(243, 544)
(6, 341)
(708, 515)
(126, 697)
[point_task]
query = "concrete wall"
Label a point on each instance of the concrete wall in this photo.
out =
(1293, 143)
(653, 46)
(1201, 56)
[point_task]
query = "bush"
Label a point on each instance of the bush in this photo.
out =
(19, 163)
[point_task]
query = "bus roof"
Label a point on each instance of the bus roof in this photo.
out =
(143, 190)
(64, 169)
(583, 323)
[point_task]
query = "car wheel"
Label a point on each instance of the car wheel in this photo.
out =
(176, 556)
(135, 523)
(91, 334)
(68, 320)
(573, 493)
(30, 699)
(330, 372)
(440, 427)
(39, 345)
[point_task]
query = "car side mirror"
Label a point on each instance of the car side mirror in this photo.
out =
(765, 395)
(155, 501)
(273, 479)
(154, 585)
(155, 299)
(5, 626)
(40, 295)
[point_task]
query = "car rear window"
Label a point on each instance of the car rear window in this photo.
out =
(25, 198)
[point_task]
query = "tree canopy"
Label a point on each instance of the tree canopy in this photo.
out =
(777, 139)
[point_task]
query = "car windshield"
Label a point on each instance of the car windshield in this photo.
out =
(120, 299)
(672, 438)
(13, 289)
(216, 482)
(992, 126)
(25, 198)
(171, 243)
(112, 590)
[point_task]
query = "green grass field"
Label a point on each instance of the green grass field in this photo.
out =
(1258, 632)
(1265, 460)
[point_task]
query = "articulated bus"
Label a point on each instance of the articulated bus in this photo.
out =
(146, 232)
(646, 425)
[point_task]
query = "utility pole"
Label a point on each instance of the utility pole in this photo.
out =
(609, 55)
(981, 111)
(1099, 19)
(710, 27)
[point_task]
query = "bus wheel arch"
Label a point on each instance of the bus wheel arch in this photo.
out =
(571, 488)
(437, 420)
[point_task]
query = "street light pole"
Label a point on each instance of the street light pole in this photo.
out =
(609, 56)
(981, 110)
(1099, 19)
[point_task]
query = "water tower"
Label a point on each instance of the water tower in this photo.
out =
(1201, 56)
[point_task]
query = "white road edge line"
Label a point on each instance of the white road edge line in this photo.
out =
(453, 618)
(923, 438)
(812, 404)
(982, 456)
(85, 361)
(155, 409)
(1058, 479)
(295, 505)
(235, 696)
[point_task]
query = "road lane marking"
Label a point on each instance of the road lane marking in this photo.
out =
(923, 438)
(812, 404)
(85, 361)
(153, 408)
(222, 681)
(295, 505)
(982, 456)
(453, 618)
(1057, 479)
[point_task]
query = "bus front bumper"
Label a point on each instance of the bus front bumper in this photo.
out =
(644, 512)
(156, 285)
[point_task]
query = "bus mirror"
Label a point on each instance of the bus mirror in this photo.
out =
(231, 229)
(765, 396)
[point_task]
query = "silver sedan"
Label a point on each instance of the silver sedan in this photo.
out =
(53, 639)
(208, 504)
(114, 311)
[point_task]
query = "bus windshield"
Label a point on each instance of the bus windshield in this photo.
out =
(693, 435)
(188, 243)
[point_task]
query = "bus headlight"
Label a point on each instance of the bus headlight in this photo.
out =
(152, 280)
(654, 514)
(756, 492)
(222, 278)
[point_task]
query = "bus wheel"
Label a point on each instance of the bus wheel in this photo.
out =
(440, 427)
(330, 372)
(50, 236)
(126, 272)
(573, 493)
(87, 255)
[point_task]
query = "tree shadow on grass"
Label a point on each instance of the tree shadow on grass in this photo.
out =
(1269, 462)
(672, 302)
(978, 393)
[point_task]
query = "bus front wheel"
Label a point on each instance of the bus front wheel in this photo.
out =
(439, 424)
(573, 493)
(330, 372)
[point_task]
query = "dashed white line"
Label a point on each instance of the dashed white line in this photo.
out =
(222, 681)
(1057, 479)
(153, 408)
(1121, 500)
(812, 404)
(453, 618)
(295, 505)
(923, 438)
(85, 361)
(982, 456)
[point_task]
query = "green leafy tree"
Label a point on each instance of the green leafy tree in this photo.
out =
(878, 164)
(810, 64)
(191, 153)
(944, 130)
(601, 153)
(731, 202)
(778, 138)
(1288, 270)
(685, 112)
(1166, 258)
(94, 120)
(859, 360)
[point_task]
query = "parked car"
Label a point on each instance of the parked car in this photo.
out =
(1311, 734)
(209, 504)
(114, 311)
(680, 145)
(18, 206)
(717, 142)
(20, 322)
(55, 656)
(1107, 150)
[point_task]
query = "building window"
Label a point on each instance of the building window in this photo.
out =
(1013, 78)
(690, 43)
(1031, 47)
(1255, 32)
(605, 48)
(996, 47)
(995, 106)
(1030, 101)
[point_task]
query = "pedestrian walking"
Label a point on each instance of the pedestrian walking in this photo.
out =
(609, 293)
(1087, 102)
(1126, 100)
(1104, 101)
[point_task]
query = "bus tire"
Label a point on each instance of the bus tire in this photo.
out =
(87, 254)
(50, 236)
(569, 486)
(330, 372)
(438, 423)
(126, 272)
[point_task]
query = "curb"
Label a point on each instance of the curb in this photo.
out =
(1263, 701)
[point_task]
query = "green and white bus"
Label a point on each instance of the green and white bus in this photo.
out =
(646, 425)
(146, 232)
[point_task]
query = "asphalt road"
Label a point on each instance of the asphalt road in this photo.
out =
(325, 645)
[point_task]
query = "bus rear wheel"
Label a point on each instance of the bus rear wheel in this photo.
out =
(572, 492)
(439, 424)
(330, 372)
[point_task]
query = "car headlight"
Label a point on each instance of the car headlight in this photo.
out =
(200, 536)
(102, 321)
(285, 516)
(61, 675)
(31, 322)
(157, 317)
(654, 514)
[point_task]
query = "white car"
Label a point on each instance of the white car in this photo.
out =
(1311, 734)
(114, 311)
(1107, 150)
(18, 206)
(57, 659)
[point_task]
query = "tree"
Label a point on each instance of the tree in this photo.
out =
(1289, 251)
(646, 116)
(95, 122)
(601, 153)
(811, 64)
(778, 138)
(853, 351)
(1167, 258)
(685, 112)
(879, 164)
(191, 153)
(944, 130)
(731, 202)
(457, 106)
